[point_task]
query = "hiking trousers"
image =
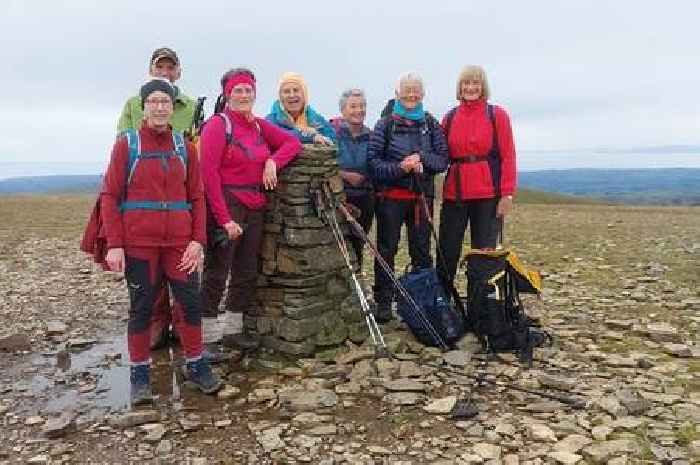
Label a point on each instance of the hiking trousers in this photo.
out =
(364, 203)
(237, 261)
(455, 217)
(146, 269)
(392, 214)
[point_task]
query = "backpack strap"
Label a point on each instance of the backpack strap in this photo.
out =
(134, 144)
(448, 121)
(494, 156)
(228, 127)
(180, 149)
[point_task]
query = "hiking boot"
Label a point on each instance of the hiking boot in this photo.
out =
(382, 312)
(200, 375)
(244, 341)
(140, 376)
(212, 353)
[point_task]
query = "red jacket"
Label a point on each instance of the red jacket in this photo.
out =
(470, 133)
(222, 165)
(150, 181)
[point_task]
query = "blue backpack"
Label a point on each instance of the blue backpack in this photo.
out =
(435, 323)
(136, 155)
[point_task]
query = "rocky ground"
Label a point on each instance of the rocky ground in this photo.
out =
(621, 301)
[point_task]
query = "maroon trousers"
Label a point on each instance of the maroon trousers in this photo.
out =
(146, 270)
(236, 261)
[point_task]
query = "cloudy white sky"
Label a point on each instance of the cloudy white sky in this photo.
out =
(575, 76)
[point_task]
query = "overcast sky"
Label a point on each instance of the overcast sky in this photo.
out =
(574, 75)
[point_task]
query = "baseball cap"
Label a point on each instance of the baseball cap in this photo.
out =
(164, 52)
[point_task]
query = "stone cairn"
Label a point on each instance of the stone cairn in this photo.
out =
(305, 302)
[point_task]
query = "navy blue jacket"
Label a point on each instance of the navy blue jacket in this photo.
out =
(389, 146)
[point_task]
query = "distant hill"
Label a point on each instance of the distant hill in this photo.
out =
(50, 184)
(668, 186)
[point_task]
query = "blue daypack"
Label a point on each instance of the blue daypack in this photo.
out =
(435, 323)
(135, 155)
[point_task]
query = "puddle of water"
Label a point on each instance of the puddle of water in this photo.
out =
(106, 366)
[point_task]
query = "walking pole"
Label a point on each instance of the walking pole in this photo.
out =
(372, 326)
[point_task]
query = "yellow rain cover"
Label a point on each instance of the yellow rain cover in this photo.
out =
(527, 280)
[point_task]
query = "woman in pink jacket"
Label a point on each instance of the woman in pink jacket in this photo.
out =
(240, 157)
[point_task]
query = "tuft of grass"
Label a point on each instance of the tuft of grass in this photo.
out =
(687, 433)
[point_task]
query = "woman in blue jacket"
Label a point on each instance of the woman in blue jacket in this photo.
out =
(353, 140)
(406, 150)
(293, 112)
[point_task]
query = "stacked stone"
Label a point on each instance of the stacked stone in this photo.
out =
(304, 296)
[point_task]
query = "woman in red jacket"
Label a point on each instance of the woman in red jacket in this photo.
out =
(153, 211)
(241, 155)
(480, 182)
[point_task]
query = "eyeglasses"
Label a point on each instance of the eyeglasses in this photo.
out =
(154, 102)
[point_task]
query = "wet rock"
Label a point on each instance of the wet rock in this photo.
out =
(80, 342)
(136, 418)
(487, 451)
(191, 422)
(633, 402)
(601, 433)
(323, 430)
(378, 450)
(543, 407)
(33, 420)
(627, 423)
(572, 444)
(611, 405)
(564, 458)
(308, 400)
(540, 432)
(565, 384)
(404, 385)
(165, 447)
(270, 440)
(311, 418)
(41, 458)
(154, 432)
(458, 358)
(678, 350)
(362, 370)
(409, 369)
(15, 343)
(228, 392)
(402, 398)
(604, 451)
(55, 327)
(60, 426)
(441, 406)
(262, 395)
(663, 332)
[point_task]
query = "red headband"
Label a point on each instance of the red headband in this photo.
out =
(241, 78)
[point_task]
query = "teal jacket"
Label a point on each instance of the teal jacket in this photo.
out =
(281, 118)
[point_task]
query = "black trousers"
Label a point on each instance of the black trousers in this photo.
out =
(391, 216)
(480, 216)
(364, 203)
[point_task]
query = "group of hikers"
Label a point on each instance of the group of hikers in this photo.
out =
(169, 213)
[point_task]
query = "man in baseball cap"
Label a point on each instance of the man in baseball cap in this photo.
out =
(164, 64)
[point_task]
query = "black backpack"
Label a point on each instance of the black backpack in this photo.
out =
(496, 312)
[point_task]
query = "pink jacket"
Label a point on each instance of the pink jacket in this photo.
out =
(242, 162)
